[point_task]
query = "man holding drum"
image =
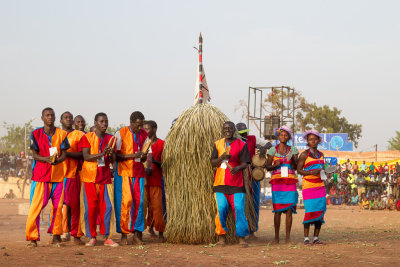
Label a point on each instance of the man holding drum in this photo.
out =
(253, 142)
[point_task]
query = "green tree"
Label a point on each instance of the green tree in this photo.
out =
(394, 142)
(14, 140)
(327, 120)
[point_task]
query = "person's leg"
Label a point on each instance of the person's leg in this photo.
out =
(74, 203)
(89, 211)
(138, 209)
(106, 200)
(277, 225)
(306, 233)
(256, 204)
(289, 219)
(238, 202)
(66, 211)
(220, 218)
(123, 204)
(317, 229)
(39, 197)
(155, 203)
(149, 218)
(57, 197)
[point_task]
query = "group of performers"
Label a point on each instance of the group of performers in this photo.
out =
(231, 156)
(72, 168)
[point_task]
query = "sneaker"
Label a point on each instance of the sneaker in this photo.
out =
(91, 243)
(110, 243)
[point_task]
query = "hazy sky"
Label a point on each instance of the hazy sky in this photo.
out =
(121, 56)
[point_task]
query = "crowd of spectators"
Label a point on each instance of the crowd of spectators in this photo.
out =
(369, 187)
(14, 165)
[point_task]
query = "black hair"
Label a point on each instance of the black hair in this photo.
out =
(152, 124)
(136, 115)
(79, 116)
(66, 112)
(100, 114)
(231, 124)
(46, 109)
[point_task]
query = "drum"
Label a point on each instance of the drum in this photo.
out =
(331, 169)
(259, 161)
(258, 174)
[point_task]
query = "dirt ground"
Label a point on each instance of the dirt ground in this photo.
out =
(352, 238)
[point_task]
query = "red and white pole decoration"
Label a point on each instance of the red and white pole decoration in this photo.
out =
(201, 90)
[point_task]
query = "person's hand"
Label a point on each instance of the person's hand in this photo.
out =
(108, 150)
(144, 156)
(138, 154)
(48, 160)
(235, 170)
(148, 171)
(225, 156)
(277, 163)
(268, 145)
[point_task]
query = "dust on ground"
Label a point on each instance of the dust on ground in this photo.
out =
(352, 238)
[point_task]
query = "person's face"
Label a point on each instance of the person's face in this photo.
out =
(48, 117)
(283, 137)
(150, 131)
(355, 162)
(312, 141)
(244, 135)
(137, 125)
(67, 120)
(227, 130)
(101, 124)
(348, 160)
(364, 162)
(79, 123)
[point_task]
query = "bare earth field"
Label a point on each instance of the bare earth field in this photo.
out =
(352, 238)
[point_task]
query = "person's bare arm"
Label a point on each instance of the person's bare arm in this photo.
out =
(300, 166)
(74, 155)
(91, 157)
(236, 169)
(217, 161)
(294, 161)
(272, 165)
(37, 157)
(61, 158)
(122, 157)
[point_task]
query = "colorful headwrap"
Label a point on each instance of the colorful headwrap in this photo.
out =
(314, 132)
(283, 128)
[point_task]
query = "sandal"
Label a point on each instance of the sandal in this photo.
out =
(318, 242)
(307, 243)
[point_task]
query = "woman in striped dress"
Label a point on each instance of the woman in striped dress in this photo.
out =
(311, 166)
(282, 162)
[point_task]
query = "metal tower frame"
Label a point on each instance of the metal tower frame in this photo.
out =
(287, 115)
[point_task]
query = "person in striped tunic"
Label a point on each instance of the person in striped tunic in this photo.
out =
(282, 163)
(311, 166)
